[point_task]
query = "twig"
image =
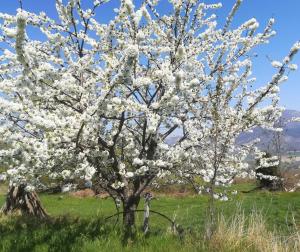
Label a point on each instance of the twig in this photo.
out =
(21, 4)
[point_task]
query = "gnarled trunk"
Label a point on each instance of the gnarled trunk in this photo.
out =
(129, 211)
(20, 200)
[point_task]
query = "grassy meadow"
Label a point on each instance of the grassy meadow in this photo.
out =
(77, 224)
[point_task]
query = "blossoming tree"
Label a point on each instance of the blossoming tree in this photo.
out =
(99, 101)
(225, 103)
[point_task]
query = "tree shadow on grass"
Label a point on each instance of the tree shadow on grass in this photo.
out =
(64, 233)
(53, 234)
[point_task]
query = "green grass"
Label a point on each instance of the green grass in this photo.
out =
(3, 189)
(77, 224)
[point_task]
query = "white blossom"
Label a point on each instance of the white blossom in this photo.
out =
(293, 67)
(107, 109)
(276, 64)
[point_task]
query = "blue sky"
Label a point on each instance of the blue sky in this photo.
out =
(287, 26)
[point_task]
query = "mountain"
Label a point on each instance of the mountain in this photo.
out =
(289, 138)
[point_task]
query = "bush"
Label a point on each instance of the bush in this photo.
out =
(268, 174)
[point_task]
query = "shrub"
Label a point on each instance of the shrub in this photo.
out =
(268, 172)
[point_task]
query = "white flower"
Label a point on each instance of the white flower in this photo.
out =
(293, 67)
(12, 172)
(29, 188)
(66, 174)
(117, 185)
(22, 15)
(137, 161)
(296, 46)
(110, 143)
(132, 51)
(283, 79)
(66, 188)
(142, 170)
(10, 32)
(129, 174)
(116, 100)
(53, 175)
(122, 167)
(276, 64)
(140, 36)
(89, 172)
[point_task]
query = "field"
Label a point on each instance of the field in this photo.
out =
(77, 224)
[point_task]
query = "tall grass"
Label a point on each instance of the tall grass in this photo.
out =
(250, 233)
(239, 233)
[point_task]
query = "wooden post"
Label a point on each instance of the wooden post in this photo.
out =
(20, 200)
(148, 197)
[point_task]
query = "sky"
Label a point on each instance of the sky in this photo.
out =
(287, 26)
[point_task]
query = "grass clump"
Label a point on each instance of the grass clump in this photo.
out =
(251, 233)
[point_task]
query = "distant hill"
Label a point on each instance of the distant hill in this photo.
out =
(290, 139)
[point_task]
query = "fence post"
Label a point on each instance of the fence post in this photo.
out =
(148, 197)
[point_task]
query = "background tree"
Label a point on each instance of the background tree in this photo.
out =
(268, 172)
(225, 104)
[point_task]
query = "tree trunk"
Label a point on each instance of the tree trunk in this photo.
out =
(24, 202)
(129, 207)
